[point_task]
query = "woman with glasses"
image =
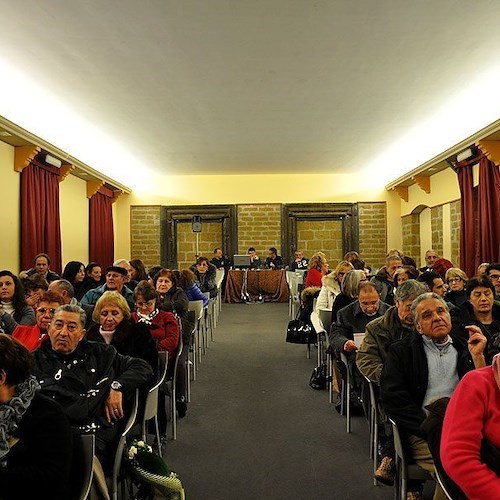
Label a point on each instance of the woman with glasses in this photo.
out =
(31, 336)
(162, 324)
(456, 280)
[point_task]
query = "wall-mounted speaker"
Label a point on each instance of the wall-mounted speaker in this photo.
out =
(196, 224)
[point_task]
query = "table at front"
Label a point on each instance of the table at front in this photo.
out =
(271, 284)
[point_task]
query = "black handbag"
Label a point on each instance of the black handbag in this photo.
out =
(299, 332)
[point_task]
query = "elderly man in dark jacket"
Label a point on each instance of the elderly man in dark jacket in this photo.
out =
(90, 380)
(422, 368)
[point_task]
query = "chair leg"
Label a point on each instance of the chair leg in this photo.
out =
(375, 448)
(188, 380)
(348, 401)
(330, 377)
(158, 438)
(174, 413)
(308, 352)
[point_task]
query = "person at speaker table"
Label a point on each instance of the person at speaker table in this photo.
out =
(114, 326)
(186, 281)
(32, 336)
(300, 262)
(91, 380)
(456, 280)
(316, 269)
(273, 260)
(426, 366)
(470, 439)
(205, 276)
(219, 260)
(36, 443)
(41, 264)
(255, 262)
(14, 309)
(116, 277)
(384, 279)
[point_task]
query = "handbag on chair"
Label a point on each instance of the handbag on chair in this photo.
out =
(299, 332)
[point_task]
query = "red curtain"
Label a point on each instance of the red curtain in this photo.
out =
(101, 235)
(468, 259)
(40, 222)
(489, 211)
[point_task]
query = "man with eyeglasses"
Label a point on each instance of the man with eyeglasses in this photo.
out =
(32, 336)
(493, 272)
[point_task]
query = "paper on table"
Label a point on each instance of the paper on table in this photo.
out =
(358, 338)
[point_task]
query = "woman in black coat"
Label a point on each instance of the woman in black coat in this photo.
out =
(115, 326)
(36, 456)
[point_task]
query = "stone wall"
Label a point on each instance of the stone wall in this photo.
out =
(320, 235)
(145, 234)
(411, 236)
(209, 238)
(437, 229)
(259, 226)
(455, 232)
(373, 233)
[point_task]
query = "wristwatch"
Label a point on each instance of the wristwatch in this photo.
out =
(116, 386)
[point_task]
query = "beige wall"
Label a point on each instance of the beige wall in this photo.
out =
(10, 216)
(74, 210)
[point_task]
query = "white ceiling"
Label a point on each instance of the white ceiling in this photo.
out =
(250, 86)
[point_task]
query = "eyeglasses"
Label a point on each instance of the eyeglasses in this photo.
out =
(453, 280)
(44, 310)
(147, 303)
(494, 277)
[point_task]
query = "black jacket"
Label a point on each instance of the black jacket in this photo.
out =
(405, 377)
(350, 320)
(38, 465)
(130, 339)
(80, 381)
(176, 301)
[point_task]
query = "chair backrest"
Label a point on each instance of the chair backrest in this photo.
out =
(219, 277)
(325, 316)
(151, 404)
(398, 445)
(82, 470)
(197, 307)
(132, 416)
(180, 347)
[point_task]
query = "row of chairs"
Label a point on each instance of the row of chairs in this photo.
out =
(404, 470)
(205, 321)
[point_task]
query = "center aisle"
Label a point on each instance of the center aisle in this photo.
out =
(256, 430)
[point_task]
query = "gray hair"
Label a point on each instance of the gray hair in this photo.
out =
(421, 298)
(69, 308)
(410, 290)
(65, 285)
(351, 281)
(121, 262)
(393, 256)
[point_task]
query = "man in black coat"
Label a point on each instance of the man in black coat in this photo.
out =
(90, 380)
(422, 368)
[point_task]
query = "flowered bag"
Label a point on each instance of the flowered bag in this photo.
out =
(152, 474)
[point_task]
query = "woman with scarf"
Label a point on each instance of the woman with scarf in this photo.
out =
(162, 324)
(35, 437)
(470, 442)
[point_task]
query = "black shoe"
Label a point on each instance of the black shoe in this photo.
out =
(181, 406)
